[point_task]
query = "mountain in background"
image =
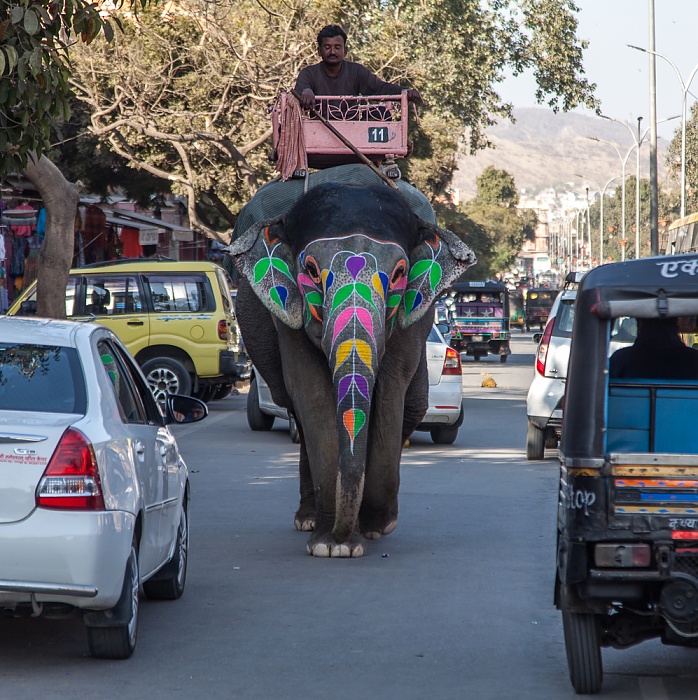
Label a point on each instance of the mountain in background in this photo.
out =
(544, 150)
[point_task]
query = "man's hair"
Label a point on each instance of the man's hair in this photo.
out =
(330, 31)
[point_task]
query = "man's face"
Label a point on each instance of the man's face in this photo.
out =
(332, 50)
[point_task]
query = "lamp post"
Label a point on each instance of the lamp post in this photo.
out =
(602, 191)
(637, 143)
(684, 88)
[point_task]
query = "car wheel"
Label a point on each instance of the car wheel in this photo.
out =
(535, 442)
(477, 356)
(206, 393)
(166, 376)
(222, 391)
(583, 651)
(118, 641)
(444, 436)
(293, 429)
(503, 358)
(255, 418)
(168, 583)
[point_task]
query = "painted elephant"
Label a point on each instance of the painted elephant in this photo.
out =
(335, 306)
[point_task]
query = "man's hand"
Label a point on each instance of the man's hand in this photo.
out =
(414, 96)
(307, 98)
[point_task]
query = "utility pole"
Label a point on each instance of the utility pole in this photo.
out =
(654, 188)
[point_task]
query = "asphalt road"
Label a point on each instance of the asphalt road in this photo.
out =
(455, 604)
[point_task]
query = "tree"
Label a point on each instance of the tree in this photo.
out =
(183, 94)
(496, 188)
(34, 93)
(673, 161)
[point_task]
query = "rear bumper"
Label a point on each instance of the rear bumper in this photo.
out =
(59, 557)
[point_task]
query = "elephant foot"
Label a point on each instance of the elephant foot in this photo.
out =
(374, 525)
(324, 545)
(304, 522)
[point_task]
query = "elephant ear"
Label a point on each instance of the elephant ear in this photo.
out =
(439, 259)
(264, 259)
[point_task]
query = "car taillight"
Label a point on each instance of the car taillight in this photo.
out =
(542, 355)
(71, 479)
(223, 330)
(452, 363)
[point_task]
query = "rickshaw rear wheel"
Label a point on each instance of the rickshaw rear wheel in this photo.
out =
(582, 643)
(535, 442)
(503, 358)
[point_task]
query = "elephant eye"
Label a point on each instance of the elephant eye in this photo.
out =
(398, 273)
(312, 269)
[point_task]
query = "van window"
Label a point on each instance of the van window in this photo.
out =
(180, 293)
(112, 296)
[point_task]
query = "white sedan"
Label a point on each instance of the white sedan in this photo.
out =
(443, 417)
(93, 491)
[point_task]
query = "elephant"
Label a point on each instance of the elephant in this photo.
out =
(335, 305)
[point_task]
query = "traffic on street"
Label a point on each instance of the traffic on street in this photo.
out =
(456, 603)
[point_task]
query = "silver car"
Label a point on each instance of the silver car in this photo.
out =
(93, 490)
(442, 420)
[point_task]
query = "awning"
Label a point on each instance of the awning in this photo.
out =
(179, 233)
(147, 234)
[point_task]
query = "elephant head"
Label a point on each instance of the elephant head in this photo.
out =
(347, 267)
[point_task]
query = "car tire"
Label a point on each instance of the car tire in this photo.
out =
(503, 358)
(477, 356)
(582, 644)
(535, 442)
(169, 582)
(165, 376)
(119, 641)
(255, 418)
(206, 393)
(293, 429)
(444, 435)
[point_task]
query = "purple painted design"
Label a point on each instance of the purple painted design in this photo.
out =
(346, 383)
(354, 265)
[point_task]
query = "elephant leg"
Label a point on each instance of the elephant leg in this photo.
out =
(398, 407)
(309, 383)
(305, 515)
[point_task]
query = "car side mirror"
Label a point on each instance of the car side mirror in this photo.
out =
(537, 337)
(184, 409)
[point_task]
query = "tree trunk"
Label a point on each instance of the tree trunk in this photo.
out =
(60, 199)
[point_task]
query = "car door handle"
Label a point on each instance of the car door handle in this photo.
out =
(140, 450)
(134, 323)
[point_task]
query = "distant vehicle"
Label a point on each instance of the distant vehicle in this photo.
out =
(480, 318)
(94, 494)
(541, 264)
(539, 301)
(262, 412)
(517, 315)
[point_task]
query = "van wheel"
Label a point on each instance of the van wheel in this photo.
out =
(222, 390)
(206, 393)
(535, 442)
(583, 648)
(119, 641)
(166, 376)
(255, 418)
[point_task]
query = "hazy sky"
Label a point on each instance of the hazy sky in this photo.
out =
(621, 73)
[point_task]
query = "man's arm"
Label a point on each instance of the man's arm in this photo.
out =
(304, 88)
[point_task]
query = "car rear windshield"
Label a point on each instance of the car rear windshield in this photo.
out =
(41, 378)
(180, 293)
(564, 319)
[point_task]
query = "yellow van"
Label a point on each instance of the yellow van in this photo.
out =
(176, 319)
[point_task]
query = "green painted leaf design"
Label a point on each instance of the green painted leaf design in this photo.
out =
(364, 291)
(419, 269)
(393, 300)
(260, 269)
(281, 266)
(435, 275)
(314, 298)
(342, 294)
(410, 295)
(275, 297)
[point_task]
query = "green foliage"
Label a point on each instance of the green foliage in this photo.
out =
(34, 71)
(496, 188)
(673, 161)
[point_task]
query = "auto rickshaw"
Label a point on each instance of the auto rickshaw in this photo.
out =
(539, 301)
(627, 547)
(479, 314)
(517, 315)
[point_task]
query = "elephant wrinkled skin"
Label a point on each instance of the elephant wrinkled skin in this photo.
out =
(335, 305)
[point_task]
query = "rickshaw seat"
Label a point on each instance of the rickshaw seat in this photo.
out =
(652, 416)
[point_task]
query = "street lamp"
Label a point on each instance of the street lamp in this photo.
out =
(684, 87)
(637, 143)
(602, 191)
